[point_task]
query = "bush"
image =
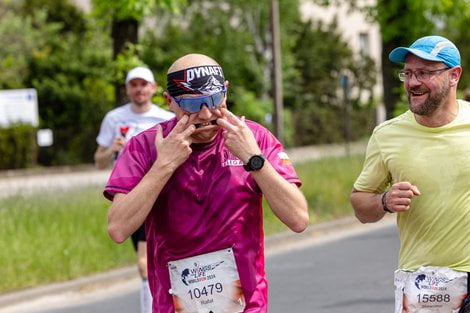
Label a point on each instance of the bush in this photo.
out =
(18, 147)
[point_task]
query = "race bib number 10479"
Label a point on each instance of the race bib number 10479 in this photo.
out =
(206, 283)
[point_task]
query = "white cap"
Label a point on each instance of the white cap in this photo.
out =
(140, 72)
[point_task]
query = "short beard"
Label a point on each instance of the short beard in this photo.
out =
(140, 103)
(432, 103)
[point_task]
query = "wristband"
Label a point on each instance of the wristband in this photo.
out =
(384, 204)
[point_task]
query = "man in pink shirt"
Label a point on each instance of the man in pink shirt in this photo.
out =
(197, 181)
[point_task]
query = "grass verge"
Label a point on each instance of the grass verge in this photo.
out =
(326, 184)
(53, 237)
(56, 237)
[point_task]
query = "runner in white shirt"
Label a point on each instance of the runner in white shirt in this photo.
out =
(118, 126)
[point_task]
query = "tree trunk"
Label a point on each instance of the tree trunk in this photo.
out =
(123, 32)
(391, 84)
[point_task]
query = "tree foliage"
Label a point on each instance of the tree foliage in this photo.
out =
(125, 17)
(73, 80)
(237, 34)
(322, 59)
(402, 22)
(68, 57)
(133, 9)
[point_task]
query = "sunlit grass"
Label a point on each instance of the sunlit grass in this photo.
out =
(56, 237)
(327, 184)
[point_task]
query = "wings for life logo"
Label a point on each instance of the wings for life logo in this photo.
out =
(199, 273)
(431, 282)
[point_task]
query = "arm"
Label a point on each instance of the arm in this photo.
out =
(129, 211)
(104, 156)
(285, 199)
(368, 206)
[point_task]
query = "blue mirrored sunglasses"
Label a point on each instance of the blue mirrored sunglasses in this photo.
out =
(194, 105)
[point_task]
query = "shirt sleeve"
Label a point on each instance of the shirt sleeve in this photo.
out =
(131, 166)
(106, 135)
(374, 176)
(275, 153)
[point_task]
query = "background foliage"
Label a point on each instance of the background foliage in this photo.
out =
(17, 147)
(68, 56)
(401, 22)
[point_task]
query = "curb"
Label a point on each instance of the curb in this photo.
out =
(101, 280)
(316, 233)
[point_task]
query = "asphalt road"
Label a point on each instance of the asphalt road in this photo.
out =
(354, 274)
(335, 270)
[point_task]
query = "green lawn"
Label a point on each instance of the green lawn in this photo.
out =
(327, 184)
(56, 237)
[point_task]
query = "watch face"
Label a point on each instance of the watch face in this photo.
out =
(256, 162)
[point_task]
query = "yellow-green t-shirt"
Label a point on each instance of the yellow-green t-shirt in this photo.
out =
(436, 230)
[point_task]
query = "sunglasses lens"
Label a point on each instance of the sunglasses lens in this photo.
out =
(194, 105)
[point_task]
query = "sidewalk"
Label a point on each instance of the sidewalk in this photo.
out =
(29, 181)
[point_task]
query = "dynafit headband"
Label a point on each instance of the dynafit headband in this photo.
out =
(205, 79)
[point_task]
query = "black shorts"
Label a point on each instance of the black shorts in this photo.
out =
(138, 235)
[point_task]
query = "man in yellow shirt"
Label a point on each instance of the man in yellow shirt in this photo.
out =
(418, 166)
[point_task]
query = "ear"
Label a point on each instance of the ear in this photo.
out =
(169, 101)
(167, 98)
(454, 75)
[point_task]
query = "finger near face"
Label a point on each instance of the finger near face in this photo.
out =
(183, 121)
(232, 117)
(225, 124)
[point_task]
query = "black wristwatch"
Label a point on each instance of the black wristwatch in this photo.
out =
(255, 163)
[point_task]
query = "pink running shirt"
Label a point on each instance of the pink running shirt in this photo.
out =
(210, 203)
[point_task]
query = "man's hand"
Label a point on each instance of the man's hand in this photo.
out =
(398, 198)
(118, 143)
(175, 148)
(238, 137)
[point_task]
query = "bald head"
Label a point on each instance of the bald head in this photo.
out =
(195, 74)
(191, 60)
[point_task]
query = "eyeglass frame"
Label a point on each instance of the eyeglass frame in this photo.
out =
(402, 74)
(212, 106)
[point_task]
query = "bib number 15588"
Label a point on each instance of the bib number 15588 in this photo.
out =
(425, 298)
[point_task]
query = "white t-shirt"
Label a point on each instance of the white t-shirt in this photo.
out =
(130, 122)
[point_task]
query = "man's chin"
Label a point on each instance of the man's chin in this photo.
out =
(205, 134)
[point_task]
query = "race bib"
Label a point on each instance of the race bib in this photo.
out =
(206, 283)
(430, 290)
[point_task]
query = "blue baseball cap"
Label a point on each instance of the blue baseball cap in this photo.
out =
(431, 48)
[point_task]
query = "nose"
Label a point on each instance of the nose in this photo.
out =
(413, 80)
(205, 112)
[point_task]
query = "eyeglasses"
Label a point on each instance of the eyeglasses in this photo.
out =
(421, 75)
(194, 105)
